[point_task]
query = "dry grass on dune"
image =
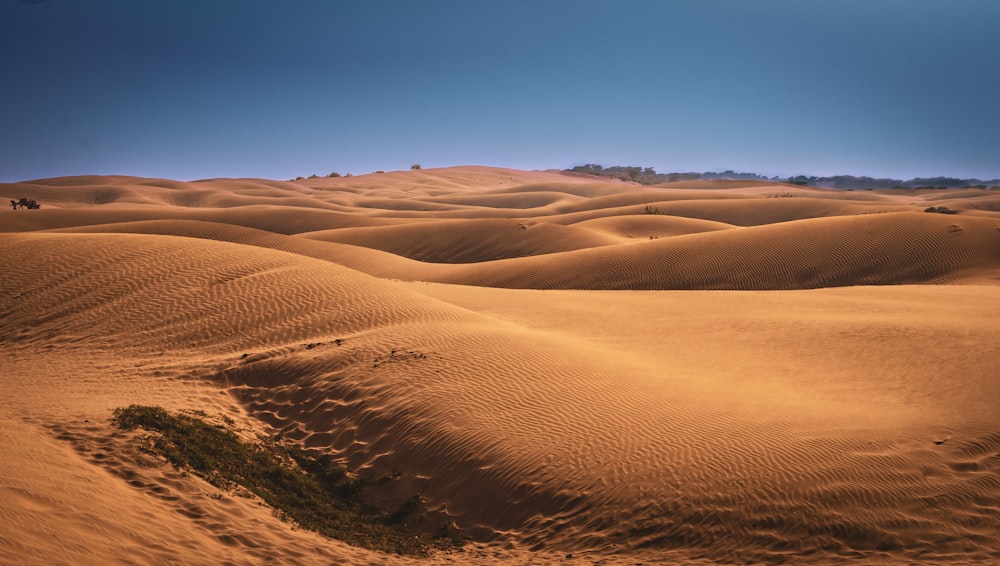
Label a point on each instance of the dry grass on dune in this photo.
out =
(598, 410)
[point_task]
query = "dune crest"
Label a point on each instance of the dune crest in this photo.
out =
(565, 369)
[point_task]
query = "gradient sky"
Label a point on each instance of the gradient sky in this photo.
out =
(190, 89)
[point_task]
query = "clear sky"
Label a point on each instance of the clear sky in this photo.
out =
(190, 89)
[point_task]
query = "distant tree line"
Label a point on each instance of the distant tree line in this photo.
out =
(862, 182)
(648, 176)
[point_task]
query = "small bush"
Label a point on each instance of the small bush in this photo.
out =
(940, 210)
(415, 166)
(334, 174)
(650, 209)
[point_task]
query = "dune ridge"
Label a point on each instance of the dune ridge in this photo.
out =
(838, 251)
(557, 387)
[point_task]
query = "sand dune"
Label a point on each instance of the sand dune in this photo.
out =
(651, 226)
(858, 250)
(601, 411)
(468, 241)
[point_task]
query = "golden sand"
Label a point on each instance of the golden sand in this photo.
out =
(569, 369)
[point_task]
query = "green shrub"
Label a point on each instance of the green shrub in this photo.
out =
(940, 210)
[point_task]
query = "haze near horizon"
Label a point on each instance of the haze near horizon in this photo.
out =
(189, 90)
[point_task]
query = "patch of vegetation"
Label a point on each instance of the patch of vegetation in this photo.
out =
(941, 210)
(415, 166)
(650, 209)
(309, 490)
(648, 176)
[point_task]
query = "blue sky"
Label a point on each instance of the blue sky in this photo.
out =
(190, 89)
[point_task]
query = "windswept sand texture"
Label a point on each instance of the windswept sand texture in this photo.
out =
(569, 369)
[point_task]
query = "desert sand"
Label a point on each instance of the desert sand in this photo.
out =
(568, 369)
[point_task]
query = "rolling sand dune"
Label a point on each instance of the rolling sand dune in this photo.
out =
(561, 374)
(856, 250)
(468, 241)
